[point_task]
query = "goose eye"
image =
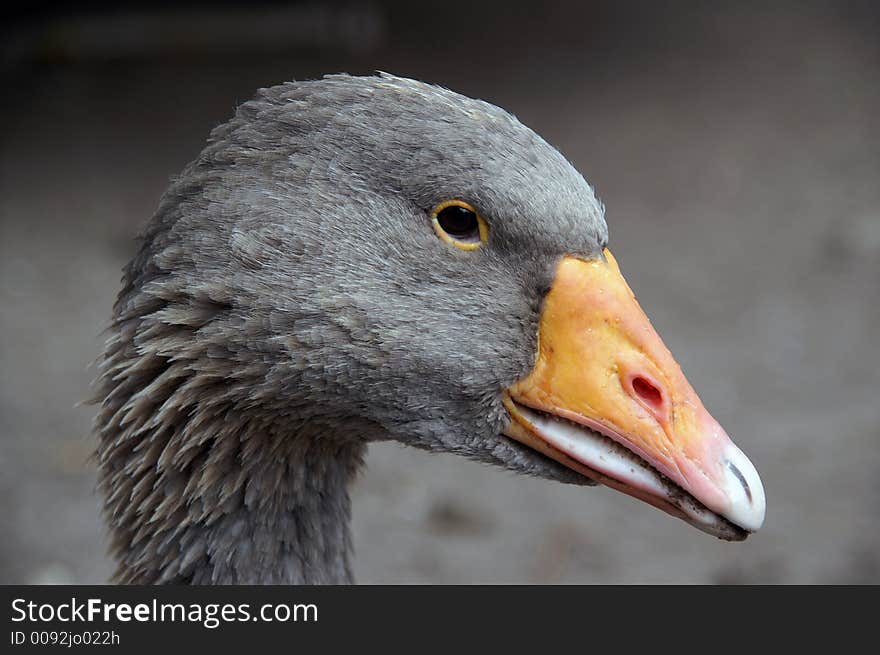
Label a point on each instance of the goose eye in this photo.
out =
(459, 224)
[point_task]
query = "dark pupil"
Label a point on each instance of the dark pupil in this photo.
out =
(458, 221)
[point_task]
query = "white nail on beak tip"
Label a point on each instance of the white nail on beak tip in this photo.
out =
(744, 489)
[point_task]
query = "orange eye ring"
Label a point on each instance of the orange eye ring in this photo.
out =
(459, 224)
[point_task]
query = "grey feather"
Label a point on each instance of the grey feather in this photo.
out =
(290, 303)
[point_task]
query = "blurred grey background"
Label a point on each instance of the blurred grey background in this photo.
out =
(734, 144)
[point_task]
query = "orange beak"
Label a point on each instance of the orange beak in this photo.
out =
(607, 399)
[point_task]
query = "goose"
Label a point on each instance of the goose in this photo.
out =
(355, 259)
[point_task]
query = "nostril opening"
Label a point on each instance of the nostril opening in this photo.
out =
(648, 393)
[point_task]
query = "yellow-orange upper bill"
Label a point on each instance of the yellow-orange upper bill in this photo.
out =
(601, 368)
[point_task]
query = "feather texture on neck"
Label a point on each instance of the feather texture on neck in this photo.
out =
(201, 485)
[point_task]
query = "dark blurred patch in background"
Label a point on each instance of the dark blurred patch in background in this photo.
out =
(734, 144)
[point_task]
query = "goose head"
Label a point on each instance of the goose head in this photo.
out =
(392, 260)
